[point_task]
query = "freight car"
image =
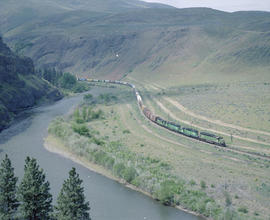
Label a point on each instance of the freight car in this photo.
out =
(189, 132)
(148, 114)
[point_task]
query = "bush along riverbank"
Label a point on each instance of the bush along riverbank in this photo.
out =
(148, 174)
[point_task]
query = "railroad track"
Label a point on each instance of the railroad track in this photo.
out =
(147, 113)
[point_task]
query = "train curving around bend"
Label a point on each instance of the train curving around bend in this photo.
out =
(172, 126)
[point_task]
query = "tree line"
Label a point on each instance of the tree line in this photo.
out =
(63, 80)
(31, 200)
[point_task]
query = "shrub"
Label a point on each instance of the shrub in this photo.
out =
(109, 163)
(106, 98)
(228, 199)
(100, 157)
(126, 131)
(229, 215)
(98, 142)
(166, 192)
(192, 182)
(256, 213)
(203, 184)
(79, 87)
(129, 174)
(118, 169)
(243, 209)
(58, 128)
(79, 120)
(94, 115)
(87, 97)
(81, 129)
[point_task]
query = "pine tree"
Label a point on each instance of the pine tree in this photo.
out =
(8, 201)
(34, 192)
(71, 200)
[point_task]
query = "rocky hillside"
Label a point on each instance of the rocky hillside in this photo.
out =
(20, 88)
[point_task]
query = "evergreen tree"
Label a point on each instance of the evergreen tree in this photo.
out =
(8, 201)
(67, 81)
(34, 192)
(71, 200)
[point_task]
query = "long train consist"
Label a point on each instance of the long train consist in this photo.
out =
(175, 127)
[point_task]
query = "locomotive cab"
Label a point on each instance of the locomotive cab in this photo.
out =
(221, 141)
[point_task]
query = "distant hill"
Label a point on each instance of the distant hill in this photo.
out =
(113, 38)
(20, 88)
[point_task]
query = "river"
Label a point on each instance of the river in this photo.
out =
(109, 200)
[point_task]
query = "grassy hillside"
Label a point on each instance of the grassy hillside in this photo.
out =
(152, 42)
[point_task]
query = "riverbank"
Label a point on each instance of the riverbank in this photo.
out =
(55, 145)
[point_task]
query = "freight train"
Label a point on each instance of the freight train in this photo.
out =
(175, 127)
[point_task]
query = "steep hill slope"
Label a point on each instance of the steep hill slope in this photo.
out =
(152, 42)
(20, 88)
(16, 12)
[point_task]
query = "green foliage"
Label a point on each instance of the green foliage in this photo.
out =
(99, 157)
(264, 188)
(77, 116)
(98, 141)
(33, 192)
(126, 131)
(203, 184)
(192, 182)
(62, 80)
(230, 214)
(129, 174)
(67, 81)
(50, 75)
(88, 97)
(107, 98)
(109, 163)
(119, 168)
(80, 87)
(166, 192)
(58, 129)
(86, 114)
(228, 199)
(256, 213)
(8, 200)
(71, 200)
(81, 129)
(243, 209)
(94, 114)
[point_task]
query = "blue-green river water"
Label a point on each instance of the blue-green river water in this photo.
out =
(109, 200)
